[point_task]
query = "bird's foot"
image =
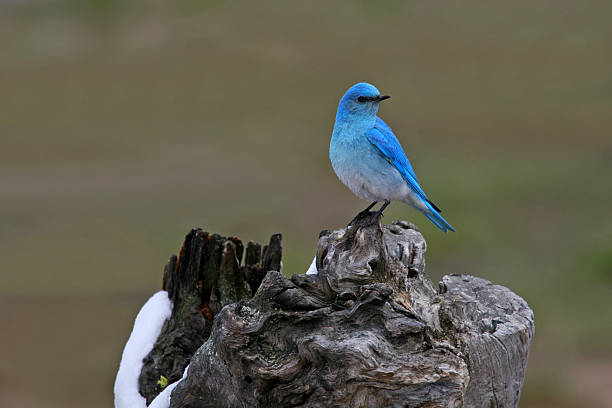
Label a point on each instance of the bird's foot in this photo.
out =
(365, 219)
(361, 216)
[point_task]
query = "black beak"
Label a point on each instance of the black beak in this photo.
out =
(382, 98)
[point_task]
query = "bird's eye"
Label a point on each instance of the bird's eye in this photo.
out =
(361, 99)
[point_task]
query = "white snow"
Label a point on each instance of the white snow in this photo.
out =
(147, 326)
(312, 270)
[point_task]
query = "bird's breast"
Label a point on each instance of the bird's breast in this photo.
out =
(361, 167)
(356, 164)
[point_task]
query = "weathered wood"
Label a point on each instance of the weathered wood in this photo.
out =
(204, 277)
(369, 330)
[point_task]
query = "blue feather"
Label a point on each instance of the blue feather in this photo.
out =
(382, 137)
(368, 158)
(438, 220)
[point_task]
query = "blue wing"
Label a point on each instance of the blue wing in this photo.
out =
(382, 137)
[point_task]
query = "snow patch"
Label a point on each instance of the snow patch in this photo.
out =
(147, 326)
(312, 270)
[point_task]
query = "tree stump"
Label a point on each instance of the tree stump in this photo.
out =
(204, 277)
(369, 330)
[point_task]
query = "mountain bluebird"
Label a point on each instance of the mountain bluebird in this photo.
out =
(369, 160)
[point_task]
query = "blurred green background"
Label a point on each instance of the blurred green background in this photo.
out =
(123, 124)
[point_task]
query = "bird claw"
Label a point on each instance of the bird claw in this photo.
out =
(361, 215)
(365, 218)
(371, 217)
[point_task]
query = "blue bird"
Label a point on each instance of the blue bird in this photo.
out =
(369, 160)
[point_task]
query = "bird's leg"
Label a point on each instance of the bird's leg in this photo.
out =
(363, 213)
(379, 213)
(369, 207)
(382, 207)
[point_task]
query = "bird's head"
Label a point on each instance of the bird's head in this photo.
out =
(361, 99)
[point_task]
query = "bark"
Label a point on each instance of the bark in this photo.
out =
(204, 277)
(369, 330)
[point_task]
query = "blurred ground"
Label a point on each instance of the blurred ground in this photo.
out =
(123, 124)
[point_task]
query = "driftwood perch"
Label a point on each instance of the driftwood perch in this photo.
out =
(369, 330)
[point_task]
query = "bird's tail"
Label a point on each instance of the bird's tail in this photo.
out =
(435, 217)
